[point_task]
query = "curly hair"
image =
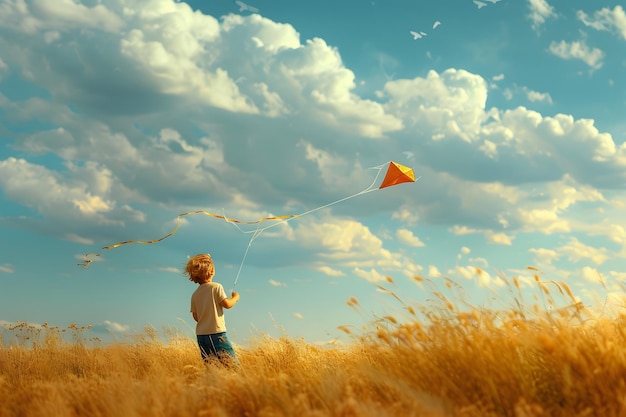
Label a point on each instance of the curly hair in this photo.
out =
(200, 268)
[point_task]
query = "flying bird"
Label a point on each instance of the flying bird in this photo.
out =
(243, 6)
(437, 23)
(480, 4)
(417, 35)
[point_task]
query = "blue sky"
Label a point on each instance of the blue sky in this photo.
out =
(118, 115)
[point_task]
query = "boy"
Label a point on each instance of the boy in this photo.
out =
(207, 304)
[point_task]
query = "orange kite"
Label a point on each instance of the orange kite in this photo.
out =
(397, 174)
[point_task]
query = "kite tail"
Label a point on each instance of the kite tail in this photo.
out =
(90, 257)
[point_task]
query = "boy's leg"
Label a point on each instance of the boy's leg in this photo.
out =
(223, 348)
(207, 348)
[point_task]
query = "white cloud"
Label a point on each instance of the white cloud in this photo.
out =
(463, 230)
(372, 275)
(479, 261)
(545, 221)
(172, 51)
(171, 269)
(345, 241)
(7, 268)
(433, 271)
(350, 244)
(606, 19)
(49, 193)
(531, 95)
(450, 104)
(318, 62)
(482, 277)
(63, 14)
(72, 237)
(615, 232)
(408, 238)
(578, 50)
(546, 137)
(618, 275)
(577, 251)
(543, 255)
(333, 169)
(498, 238)
(592, 275)
(515, 139)
(116, 327)
(537, 96)
(298, 316)
(540, 11)
(275, 283)
(330, 271)
(409, 216)
(178, 75)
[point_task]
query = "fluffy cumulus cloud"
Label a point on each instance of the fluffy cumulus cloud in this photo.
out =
(540, 11)
(592, 275)
(577, 251)
(111, 327)
(372, 275)
(451, 103)
(326, 270)
(349, 244)
(152, 104)
(476, 274)
(114, 327)
(407, 237)
(537, 96)
(447, 111)
(606, 19)
(63, 197)
(544, 256)
(578, 50)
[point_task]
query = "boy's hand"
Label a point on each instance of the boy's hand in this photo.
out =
(235, 294)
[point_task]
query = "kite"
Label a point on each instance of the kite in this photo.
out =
(396, 174)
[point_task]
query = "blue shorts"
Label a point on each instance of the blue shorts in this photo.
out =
(215, 345)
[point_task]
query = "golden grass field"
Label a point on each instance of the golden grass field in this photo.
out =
(436, 360)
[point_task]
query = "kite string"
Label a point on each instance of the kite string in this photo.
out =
(256, 233)
(245, 255)
(286, 219)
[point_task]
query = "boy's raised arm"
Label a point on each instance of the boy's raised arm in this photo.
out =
(230, 302)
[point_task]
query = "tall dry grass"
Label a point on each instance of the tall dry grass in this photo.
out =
(438, 360)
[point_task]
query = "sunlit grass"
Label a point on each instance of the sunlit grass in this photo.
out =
(552, 357)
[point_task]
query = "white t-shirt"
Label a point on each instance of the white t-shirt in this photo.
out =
(206, 303)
